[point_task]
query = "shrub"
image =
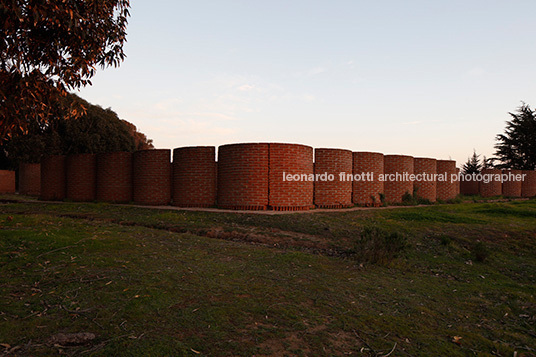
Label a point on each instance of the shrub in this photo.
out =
(445, 240)
(423, 201)
(382, 199)
(457, 199)
(377, 245)
(414, 199)
(480, 252)
(408, 199)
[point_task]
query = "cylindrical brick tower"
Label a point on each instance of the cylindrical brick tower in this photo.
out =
(446, 186)
(367, 187)
(243, 176)
(425, 182)
(330, 189)
(151, 177)
(194, 176)
(114, 177)
(291, 159)
(81, 176)
(494, 185)
(528, 188)
(512, 187)
(396, 186)
(7, 181)
(30, 179)
(53, 178)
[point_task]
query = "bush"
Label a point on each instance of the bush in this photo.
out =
(377, 245)
(408, 199)
(445, 240)
(457, 199)
(382, 199)
(414, 199)
(480, 252)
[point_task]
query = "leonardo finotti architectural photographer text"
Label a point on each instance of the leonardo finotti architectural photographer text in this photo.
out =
(405, 176)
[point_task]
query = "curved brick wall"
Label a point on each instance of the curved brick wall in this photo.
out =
(243, 176)
(30, 179)
(114, 177)
(336, 193)
(425, 188)
(251, 177)
(194, 176)
(469, 187)
(512, 188)
(53, 178)
(81, 176)
(528, 187)
(151, 177)
(7, 181)
(394, 190)
(290, 159)
(492, 188)
(446, 190)
(367, 192)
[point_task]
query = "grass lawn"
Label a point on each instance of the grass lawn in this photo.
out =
(442, 280)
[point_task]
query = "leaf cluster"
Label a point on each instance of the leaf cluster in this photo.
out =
(50, 47)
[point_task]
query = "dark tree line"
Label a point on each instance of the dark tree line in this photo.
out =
(98, 130)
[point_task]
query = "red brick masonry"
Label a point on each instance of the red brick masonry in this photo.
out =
(493, 187)
(30, 179)
(528, 188)
(458, 186)
(81, 176)
(7, 181)
(367, 192)
(114, 177)
(396, 189)
(512, 188)
(446, 189)
(255, 176)
(194, 176)
(426, 189)
(243, 176)
(335, 193)
(53, 178)
(151, 177)
(469, 187)
(290, 159)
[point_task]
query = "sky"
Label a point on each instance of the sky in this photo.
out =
(421, 78)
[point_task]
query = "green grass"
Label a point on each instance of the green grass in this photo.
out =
(164, 282)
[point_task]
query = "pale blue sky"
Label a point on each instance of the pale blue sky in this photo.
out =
(422, 78)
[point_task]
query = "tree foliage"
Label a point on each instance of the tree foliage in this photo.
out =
(473, 165)
(98, 130)
(141, 142)
(50, 47)
(516, 148)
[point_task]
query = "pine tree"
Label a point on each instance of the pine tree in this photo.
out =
(516, 148)
(473, 164)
